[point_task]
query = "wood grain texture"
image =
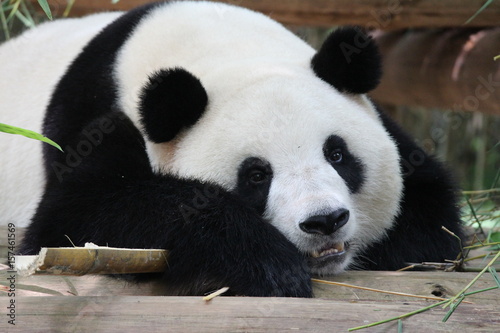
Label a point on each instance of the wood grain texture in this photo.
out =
(94, 303)
(236, 314)
(420, 283)
(384, 14)
(451, 69)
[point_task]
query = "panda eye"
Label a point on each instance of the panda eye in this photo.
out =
(335, 156)
(257, 176)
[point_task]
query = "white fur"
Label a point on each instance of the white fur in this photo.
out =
(264, 101)
(287, 122)
(31, 66)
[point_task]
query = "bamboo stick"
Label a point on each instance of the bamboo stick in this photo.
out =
(92, 259)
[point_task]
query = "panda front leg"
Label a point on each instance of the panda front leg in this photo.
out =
(225, 242)
(113, 198)
(222, 244)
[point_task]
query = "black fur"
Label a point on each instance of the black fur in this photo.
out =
(254, 180)
(103, 190)
(429, 202)
(349, 167)
(113, 198)
(87, 90)
(348, 60)
(171, 101)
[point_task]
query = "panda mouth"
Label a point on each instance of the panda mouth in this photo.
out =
(336, 249)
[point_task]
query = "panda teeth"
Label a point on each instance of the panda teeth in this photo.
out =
(335, 249)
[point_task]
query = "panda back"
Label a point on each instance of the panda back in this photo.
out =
(32, 64)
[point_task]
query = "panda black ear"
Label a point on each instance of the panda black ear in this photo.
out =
(349, 60)
(172, 99)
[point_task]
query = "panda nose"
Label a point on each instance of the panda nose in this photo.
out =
(325, 224)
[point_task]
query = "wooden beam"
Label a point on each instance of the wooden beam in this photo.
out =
(383, 14)
(452, 69)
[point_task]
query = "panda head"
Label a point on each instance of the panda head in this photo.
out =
(301, 144)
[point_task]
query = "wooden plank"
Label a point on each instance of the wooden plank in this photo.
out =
(384, 14)
(115, 305)
(235, 314)
(441, 284)
(429, 283)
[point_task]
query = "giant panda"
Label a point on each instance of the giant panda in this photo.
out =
(214, 132)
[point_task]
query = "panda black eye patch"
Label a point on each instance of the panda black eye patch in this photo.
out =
(254, 180)
(348, 166)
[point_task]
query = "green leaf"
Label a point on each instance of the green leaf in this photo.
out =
(483, 7)
(26, 21)
(3, 21)
(496, 57)
(493, 272)
(400, 326)
(46, 8)
(495, 237)
(453, 306)
(13, 11)
(27, 133)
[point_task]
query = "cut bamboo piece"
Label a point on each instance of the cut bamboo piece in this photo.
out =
(92, 259)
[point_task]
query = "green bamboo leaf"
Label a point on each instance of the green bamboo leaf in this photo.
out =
(406, 315)
(483, 7)
(496, 57)
(13, 11)
(409, 314)
(493, 272)
(69, 6)
(452, 308)
(3, 21)
(454, 298)
(46, 8)
(495, 237)
(27, 133)
(400, 326)
(26, 21)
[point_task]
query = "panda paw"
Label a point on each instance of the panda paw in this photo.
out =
(239, 250)
(286, 281)
(277, 270)
(275, 275)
